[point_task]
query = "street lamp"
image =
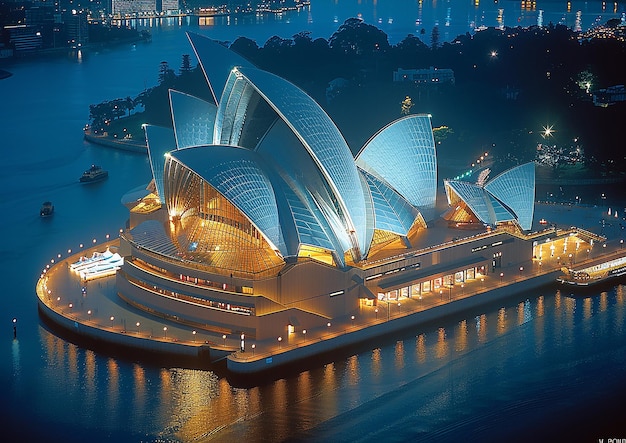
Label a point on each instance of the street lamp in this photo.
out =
(352, 318)
(280, 339)
(112, 318)
(224, 338)
(376, 311)
(521, 269)
(304, 334)
(165, 331)
(194, 335)
(501, 275)
(253, 348)
(137, 324)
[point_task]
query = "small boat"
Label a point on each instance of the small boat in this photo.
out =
(46, 209)
(601, 272)
(93, 174)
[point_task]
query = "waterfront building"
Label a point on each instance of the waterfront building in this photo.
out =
(424, 76)
(24, 37)
(170, 6)
(130, 7)
(260, 221)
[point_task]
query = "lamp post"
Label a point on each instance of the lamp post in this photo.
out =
(352, 318)
(280, 340)
(165, 331)
(112, 318)
(137, 324)
(501, 275)
(194, 335)
(243, 342)
(376, 312)
(14, 327)
(521, 269)
(224, 338)
(253, 348)
(304, 334)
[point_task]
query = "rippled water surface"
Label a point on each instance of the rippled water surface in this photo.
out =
(539, 365)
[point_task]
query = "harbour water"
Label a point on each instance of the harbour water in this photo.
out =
(543, 365)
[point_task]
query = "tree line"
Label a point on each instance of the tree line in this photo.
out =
(508, 82)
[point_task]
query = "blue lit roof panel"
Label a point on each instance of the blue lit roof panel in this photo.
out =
(160, 141)
(403, 154)
(193, 119)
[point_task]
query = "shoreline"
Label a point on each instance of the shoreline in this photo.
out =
(110, 142)
(202, 349)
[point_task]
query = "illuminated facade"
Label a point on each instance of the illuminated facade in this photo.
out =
(258, 215)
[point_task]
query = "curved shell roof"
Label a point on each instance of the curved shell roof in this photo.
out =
(403, 155)
(323, 141)
(393, 213)
(509, 196)
(160, 141)
(193, 119)
(516, 189)
(282, 166)
(235, 173)
(216, 61)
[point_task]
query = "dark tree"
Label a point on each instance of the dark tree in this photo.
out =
(246, 48)
(358, 38)
(434, 38)
(185, 66)
(166, 75)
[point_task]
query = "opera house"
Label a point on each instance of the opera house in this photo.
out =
(260, 220)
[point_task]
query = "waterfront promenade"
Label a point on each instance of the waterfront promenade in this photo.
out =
(94, 310)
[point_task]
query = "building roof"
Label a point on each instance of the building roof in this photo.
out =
(508, 197)
(265, 173)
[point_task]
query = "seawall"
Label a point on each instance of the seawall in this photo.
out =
(249, 363)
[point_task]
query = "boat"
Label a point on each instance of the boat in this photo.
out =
(597, 274)
(47, 208)
(93, 174)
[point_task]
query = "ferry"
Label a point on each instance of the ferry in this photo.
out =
(595, 274)
(93, 174)
(47, 209)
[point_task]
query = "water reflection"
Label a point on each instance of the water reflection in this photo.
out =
(15, 352)
(501, 321)
(376, 363)
(420, 348)
(441, 348)
(399, 354)
(448, 361)
(461, 336)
